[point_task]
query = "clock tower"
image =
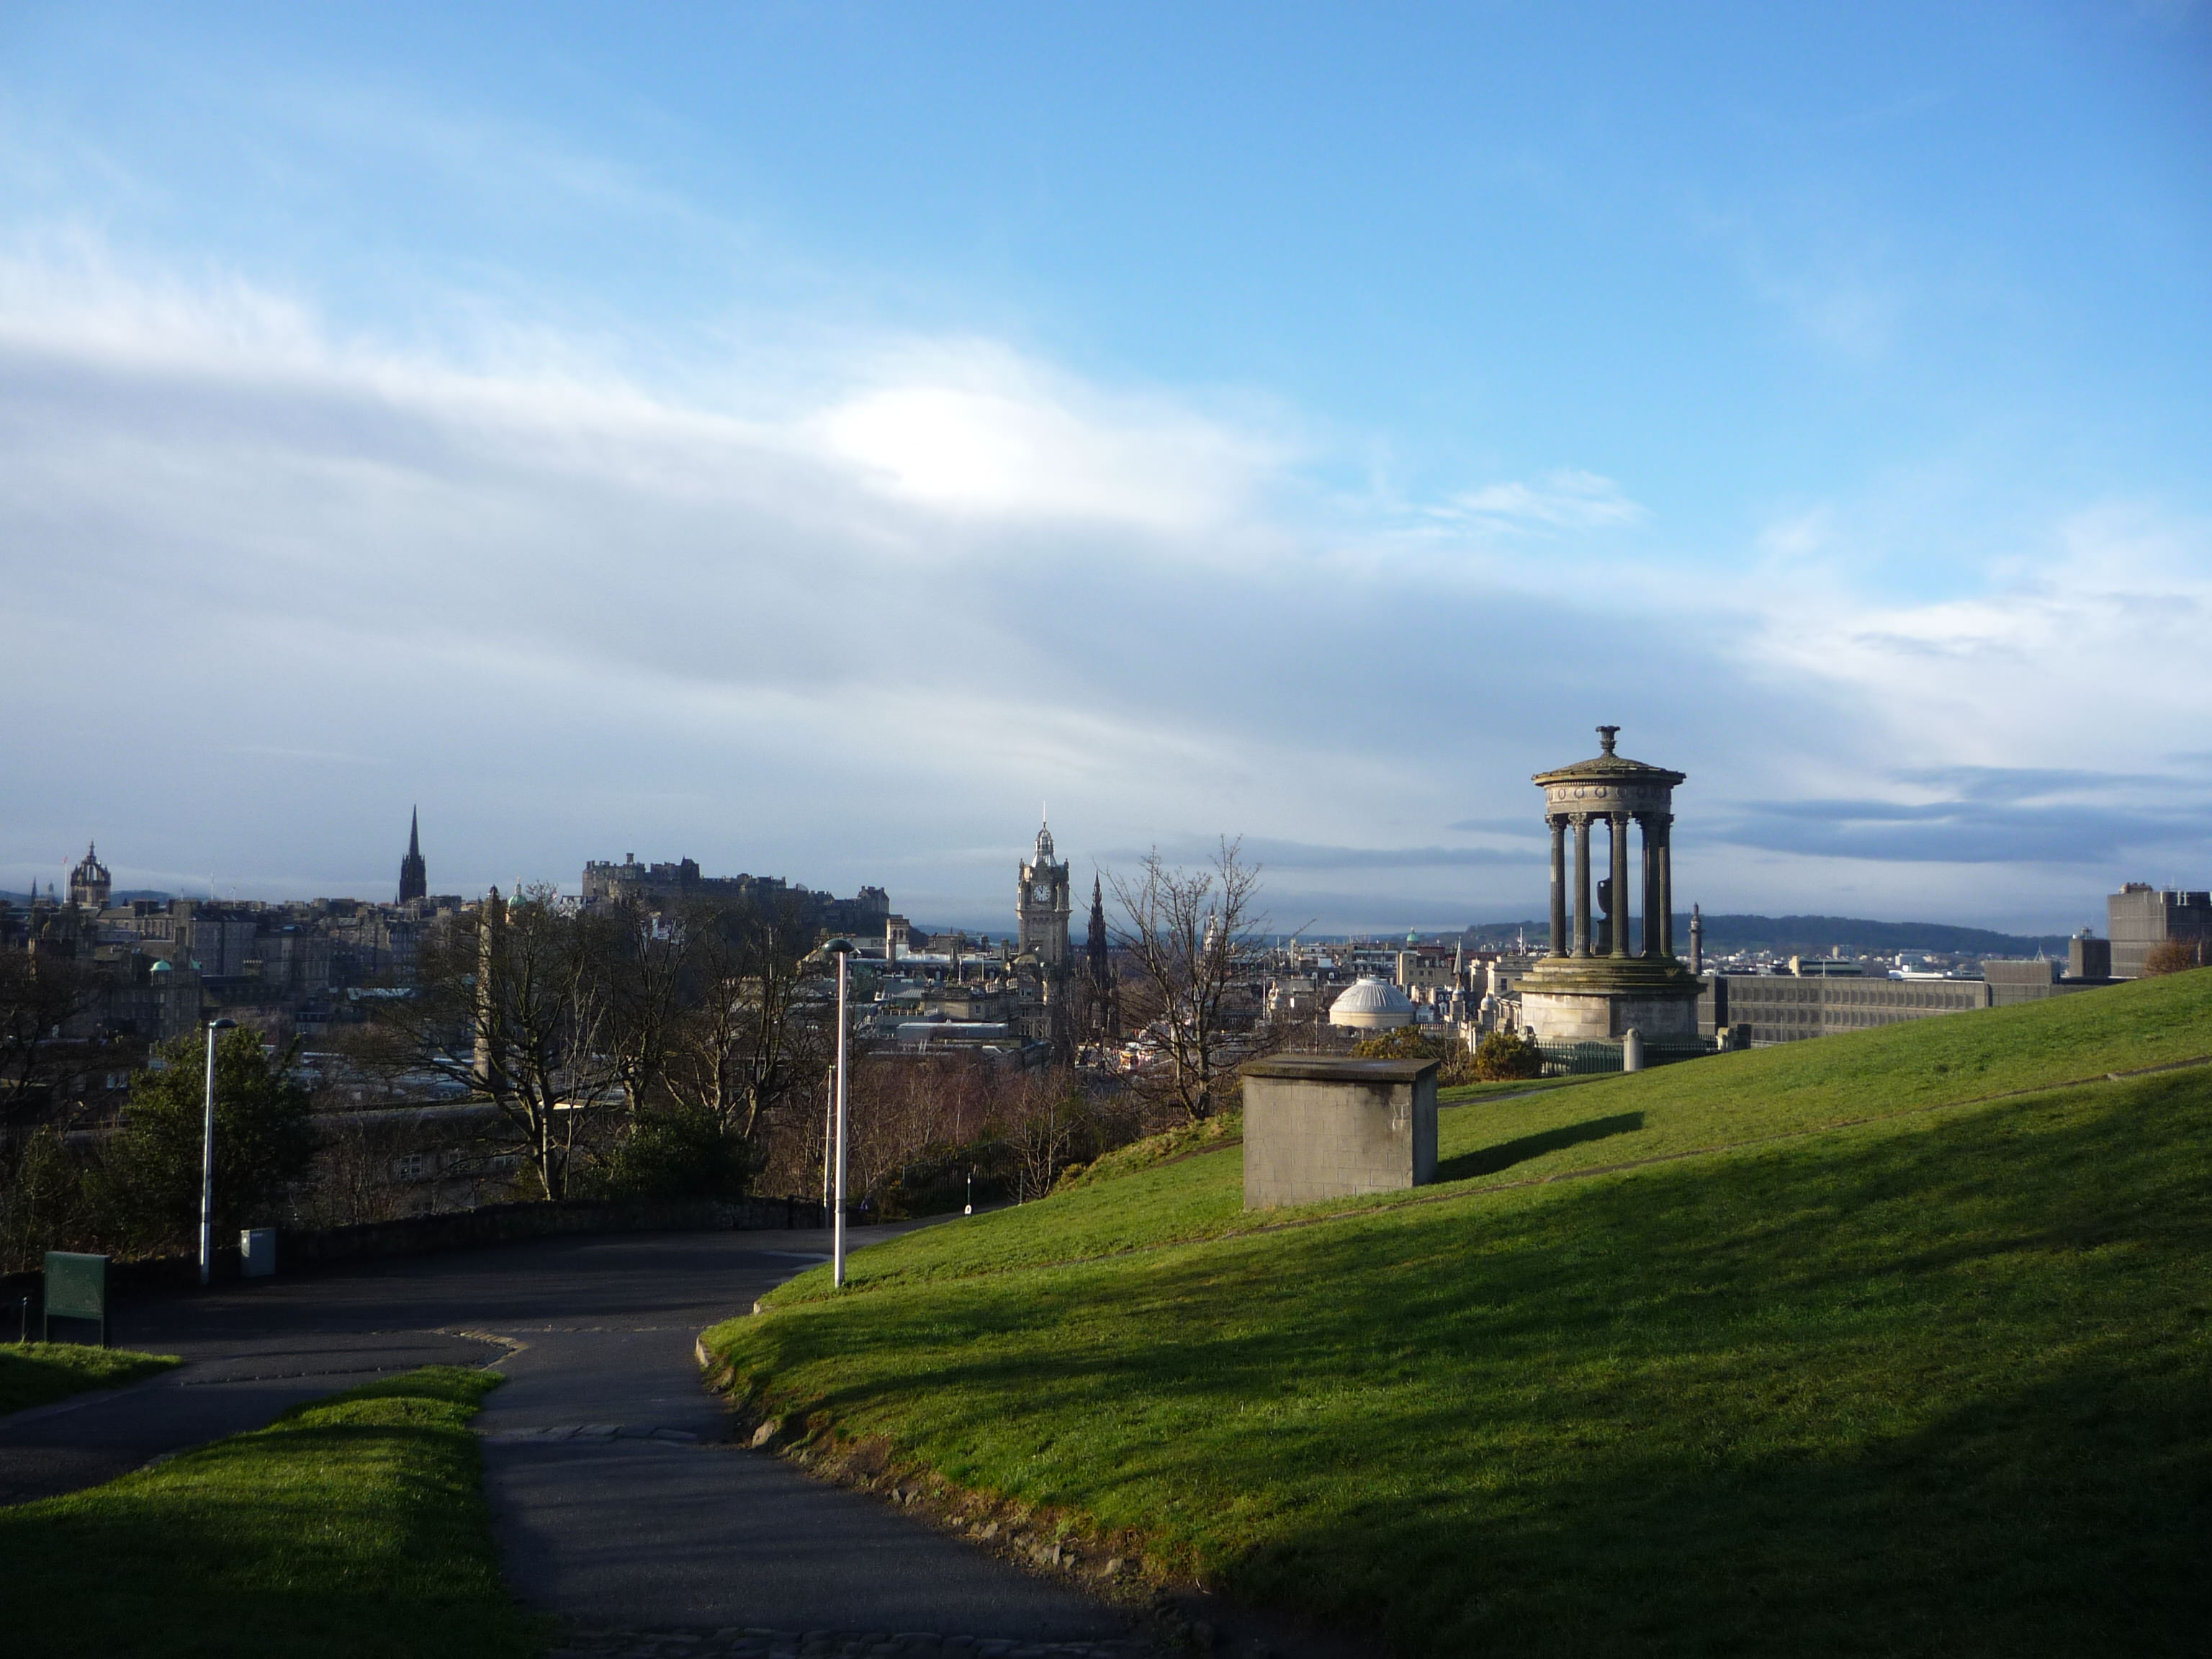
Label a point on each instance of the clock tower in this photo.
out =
(1041, 908)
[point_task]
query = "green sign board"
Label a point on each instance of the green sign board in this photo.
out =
(77, 1288)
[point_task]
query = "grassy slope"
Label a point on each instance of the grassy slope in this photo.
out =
(1727, 1100)
(351, 1526)
(1933, 1383)
(40, 1373)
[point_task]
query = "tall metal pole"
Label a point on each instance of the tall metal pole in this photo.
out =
(206, 1164)
(207, 1153)
(837, 1225)
(829, 1132)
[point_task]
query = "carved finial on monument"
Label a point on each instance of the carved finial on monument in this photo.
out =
(1606, 734)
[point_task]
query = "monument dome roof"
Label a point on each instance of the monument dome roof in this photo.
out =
(1609, 765)
(1370, 1001)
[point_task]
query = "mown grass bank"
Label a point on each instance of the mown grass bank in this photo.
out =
(353, 1526)
(1685, 1109)
(1931, 1382)
(40, 1373)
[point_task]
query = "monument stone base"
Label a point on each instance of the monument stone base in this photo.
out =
(1582, 1017)
(1600, 998)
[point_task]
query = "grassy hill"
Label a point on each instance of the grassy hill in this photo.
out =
(1888, 1343)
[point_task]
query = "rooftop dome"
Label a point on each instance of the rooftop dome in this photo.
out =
(1369, 1004)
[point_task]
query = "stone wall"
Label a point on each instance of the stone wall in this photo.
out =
(302, 1250)
(1317, 1126)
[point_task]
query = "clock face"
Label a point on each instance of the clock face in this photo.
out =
(1042, 892)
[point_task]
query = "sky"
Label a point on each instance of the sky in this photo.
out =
(815, 439)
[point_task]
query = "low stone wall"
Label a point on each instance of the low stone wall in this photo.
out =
(302, 1249)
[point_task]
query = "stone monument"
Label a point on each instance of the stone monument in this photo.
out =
(1601, 982)
(1318, 1127)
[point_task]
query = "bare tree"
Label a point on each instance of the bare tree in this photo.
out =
(638, 961)
(42, 992)
(2172, 955)
(1047, 1118)
(512, 1005)
(742, 1044)
(1187, 936)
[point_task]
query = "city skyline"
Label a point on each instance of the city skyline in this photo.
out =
(801, 440)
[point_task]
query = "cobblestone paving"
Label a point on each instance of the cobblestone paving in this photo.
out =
(735, 1643)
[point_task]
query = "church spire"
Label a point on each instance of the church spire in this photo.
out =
(414, 879)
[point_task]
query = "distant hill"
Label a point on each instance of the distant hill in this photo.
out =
(1813, 936)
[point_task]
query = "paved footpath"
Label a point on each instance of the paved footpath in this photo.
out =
(619, 1499)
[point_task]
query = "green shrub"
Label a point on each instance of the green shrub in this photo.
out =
(1506, 1055)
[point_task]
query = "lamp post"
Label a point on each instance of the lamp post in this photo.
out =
(207, 1152)
(842, 950)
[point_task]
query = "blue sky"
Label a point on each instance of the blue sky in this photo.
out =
(807, 437)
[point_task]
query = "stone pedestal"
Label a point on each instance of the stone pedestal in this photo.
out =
(1316, 1126)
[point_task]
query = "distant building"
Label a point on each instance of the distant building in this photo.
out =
(1371, 1004)
(414, 874)
(90, 885)
(2140, 916)
(1098, 968)
(664, 886)
(1785, 1008)
(1042, 908)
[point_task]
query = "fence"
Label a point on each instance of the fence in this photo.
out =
(1591, 1058)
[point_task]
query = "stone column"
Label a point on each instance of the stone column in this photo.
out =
(1558, 940)
(1654, 912)
(1618, 823)
(1666, 883)
(1582, 821)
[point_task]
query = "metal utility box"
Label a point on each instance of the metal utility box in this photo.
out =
(1317, 1126)
(257, 1252)
(75, 1288)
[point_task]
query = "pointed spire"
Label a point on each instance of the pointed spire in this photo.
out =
(414, 876)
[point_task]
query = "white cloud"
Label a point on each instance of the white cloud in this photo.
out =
(286, 583)
(974, 430)
(2090, 653)
(1564, 500)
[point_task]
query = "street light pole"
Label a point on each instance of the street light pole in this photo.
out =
(843, 951)
(828, 1134)
(207, 1153)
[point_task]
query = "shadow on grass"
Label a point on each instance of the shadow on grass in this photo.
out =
(1853, 1402)
(353, 1527)
(1488, 1160)
(2061, 1518)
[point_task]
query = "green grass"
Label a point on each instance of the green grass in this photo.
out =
(1895, 1373)
(40, 1373)
(1693, 1107)
(353, 1525)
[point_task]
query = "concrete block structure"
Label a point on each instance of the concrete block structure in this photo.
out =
(1318, 1127)
(2143, 917)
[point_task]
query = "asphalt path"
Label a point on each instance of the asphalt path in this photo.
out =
(619, 1497)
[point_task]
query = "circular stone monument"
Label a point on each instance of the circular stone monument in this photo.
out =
(1603, 979)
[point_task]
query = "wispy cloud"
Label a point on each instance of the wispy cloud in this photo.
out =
(860, 618)
(1564, 500)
